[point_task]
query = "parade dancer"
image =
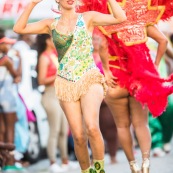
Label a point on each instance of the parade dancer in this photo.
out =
(79, 85)
(134, 82)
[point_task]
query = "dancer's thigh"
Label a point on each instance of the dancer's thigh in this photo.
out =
(73, 114)
(117, 93)
(117, 101)
(138, 112)
(90, 104)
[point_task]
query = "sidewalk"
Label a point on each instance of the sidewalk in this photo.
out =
(158, 165)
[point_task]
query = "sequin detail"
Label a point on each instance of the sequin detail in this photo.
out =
(62, 43)
(72, 91)
(77, 70)
(99, 166)
(77, 55)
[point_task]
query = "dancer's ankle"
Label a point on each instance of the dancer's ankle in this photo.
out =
(134, 166)
(99, 166)
(146, 165)
(146, 162)
(88, 170)
(146, 155)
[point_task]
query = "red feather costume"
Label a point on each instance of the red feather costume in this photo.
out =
(130, 60)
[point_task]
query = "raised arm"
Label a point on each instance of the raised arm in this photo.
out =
(158, 36)
(118, 16)
(22, 26)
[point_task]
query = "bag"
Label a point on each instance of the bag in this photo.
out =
(30, 115)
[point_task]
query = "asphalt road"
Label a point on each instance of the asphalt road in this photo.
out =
(158, 165)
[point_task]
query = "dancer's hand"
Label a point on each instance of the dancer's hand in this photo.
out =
(110, 79)
(156, 66)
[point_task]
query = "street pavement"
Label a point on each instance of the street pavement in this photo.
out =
(158, 165)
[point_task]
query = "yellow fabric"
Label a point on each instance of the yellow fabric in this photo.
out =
(89, 170)
(99, 166)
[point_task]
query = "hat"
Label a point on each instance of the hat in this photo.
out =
(7, 40)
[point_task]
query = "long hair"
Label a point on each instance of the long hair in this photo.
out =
(41, 45)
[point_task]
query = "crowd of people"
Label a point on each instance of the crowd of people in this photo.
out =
(85, 94)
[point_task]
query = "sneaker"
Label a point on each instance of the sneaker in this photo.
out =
(71, 165)
(55, 168)
(12, 168)
(167, 147)
(158, 152)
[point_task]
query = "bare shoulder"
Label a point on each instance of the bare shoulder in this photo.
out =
(88, 16)
(49, 21)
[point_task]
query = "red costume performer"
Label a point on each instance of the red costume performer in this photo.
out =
(130, 60)
(135, 84)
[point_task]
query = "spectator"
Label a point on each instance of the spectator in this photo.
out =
(8, 77)
(47, 68)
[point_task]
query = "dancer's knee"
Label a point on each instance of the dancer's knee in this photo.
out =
(80, 140)
(125, 125)
(93, 131)
(140, 124)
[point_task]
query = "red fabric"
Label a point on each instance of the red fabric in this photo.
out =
(138, 74)
(134, 68)
(93, 5)
(168, 8)
(51, 70)
(7, 40)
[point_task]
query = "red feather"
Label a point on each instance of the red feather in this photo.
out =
(168, 8)
(136, 71)
(93, 5)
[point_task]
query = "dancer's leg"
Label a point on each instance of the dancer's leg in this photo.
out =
(117, 100)
(90, 104)
(73, 113)
(109, 131)
(140, 124)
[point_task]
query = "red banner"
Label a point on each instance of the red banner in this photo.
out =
(11, 8)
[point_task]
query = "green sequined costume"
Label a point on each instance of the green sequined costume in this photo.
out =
(76, 70)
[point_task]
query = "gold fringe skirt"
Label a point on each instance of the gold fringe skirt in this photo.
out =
(72, 91)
